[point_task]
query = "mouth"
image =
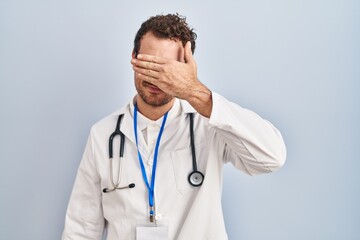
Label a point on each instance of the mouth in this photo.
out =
(152, 88)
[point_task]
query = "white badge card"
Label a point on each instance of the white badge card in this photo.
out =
(152, 233)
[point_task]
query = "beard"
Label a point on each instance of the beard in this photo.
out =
(152, 99)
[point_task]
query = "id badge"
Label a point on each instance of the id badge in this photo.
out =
(152, 233)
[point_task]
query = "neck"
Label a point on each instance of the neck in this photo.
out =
(153, 112)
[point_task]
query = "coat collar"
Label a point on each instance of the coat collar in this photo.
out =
(170, 128)
(185, 108)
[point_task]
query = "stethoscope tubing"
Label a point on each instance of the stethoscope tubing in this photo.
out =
(192, 142)
(122, 139)
(121, 155)
(195, 178)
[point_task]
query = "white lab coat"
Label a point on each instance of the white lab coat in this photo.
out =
(232, 134)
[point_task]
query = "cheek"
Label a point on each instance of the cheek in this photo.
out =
(138, 82)
(136, 79)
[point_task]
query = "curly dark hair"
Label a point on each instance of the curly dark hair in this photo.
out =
(170, 26)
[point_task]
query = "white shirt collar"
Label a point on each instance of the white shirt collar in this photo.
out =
(144, 122)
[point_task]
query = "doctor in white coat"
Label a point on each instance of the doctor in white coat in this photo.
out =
(157, 156)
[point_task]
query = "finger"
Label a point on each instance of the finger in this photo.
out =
(188, 53)
(146, 64)
(148, 79)
(146, 72)
(151, 58)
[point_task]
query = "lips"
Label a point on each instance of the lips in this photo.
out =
(152, 88)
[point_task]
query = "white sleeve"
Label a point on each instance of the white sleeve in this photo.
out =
(84, 218)
(251, 143)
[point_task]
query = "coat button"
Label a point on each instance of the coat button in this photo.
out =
(158, 217)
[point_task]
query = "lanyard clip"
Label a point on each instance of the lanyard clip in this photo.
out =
(151, 214)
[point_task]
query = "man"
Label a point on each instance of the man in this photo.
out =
(178, 134)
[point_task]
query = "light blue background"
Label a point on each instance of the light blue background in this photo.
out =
(66, 64)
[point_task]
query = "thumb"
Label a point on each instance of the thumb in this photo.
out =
(188, 54)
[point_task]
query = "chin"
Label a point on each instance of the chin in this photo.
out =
(156, 101)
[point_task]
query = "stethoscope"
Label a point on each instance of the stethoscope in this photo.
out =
(195, 178)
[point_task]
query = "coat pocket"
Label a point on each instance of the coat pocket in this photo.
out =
(183, 167)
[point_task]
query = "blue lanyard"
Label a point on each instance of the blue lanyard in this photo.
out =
(152, 186)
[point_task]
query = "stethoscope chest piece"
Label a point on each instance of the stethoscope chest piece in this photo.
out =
(196, 178)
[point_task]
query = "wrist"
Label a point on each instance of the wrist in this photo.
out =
(200, 98)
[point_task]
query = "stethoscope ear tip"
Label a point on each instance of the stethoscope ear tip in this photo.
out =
(105, 190)
(132, 185)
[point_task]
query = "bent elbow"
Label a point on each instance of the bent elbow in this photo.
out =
(278, 163)
(268, 163)
(278, 160)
